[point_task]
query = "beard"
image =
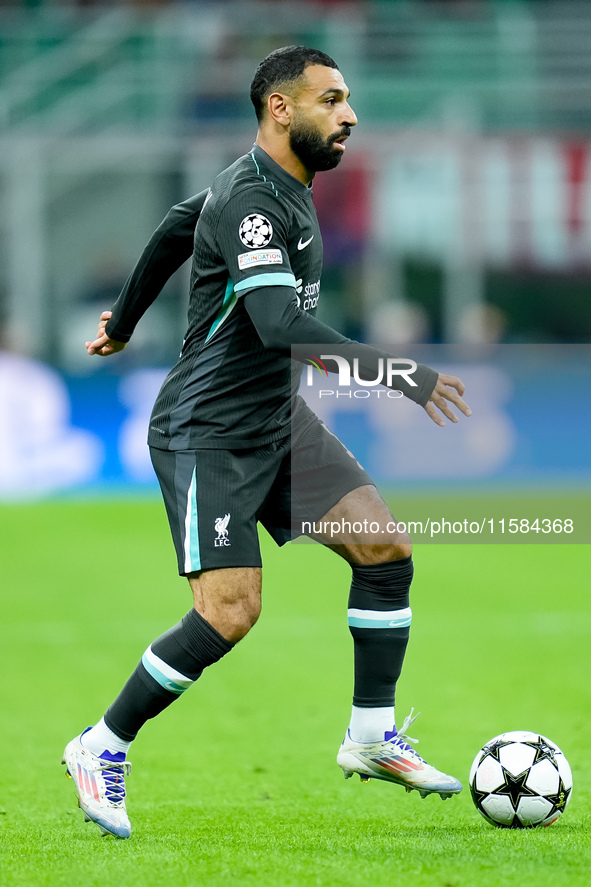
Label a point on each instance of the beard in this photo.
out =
(315, 152)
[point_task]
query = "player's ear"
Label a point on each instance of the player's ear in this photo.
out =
(280, 108)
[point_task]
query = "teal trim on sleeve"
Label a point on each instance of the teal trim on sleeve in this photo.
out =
(277, 278)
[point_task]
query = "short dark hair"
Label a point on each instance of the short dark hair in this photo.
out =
(280, 67)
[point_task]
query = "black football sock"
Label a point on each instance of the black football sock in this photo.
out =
(379, 621)
(168, 667)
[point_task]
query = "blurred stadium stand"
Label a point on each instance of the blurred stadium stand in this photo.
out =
(468, 178)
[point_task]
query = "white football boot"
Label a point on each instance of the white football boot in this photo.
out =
(100, 784)
(394, 760)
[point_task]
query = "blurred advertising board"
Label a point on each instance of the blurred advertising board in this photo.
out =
(531, 423)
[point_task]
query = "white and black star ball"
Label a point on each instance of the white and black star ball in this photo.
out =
(255, 231)
(520, 780)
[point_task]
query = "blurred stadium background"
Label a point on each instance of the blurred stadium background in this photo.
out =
(462, 212)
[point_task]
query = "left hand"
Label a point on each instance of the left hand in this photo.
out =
(448, 388)
(102, 345)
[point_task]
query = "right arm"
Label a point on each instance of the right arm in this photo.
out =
(170, 246)
(281, 324)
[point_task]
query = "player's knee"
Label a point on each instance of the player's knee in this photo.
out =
(242, 615)
(251, 604)
(230, 600)
(398, 548)
(397, 551)
(382, 554)
(252, 611)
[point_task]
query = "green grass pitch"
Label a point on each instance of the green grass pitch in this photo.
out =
(237, 783)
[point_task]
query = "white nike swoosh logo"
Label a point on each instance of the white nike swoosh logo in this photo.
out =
(304, 245)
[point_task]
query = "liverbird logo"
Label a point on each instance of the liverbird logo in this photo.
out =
(221, 528)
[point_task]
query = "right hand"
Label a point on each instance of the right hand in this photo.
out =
(448, 388)
(102, 345)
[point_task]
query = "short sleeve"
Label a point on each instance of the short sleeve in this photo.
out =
(252, 235)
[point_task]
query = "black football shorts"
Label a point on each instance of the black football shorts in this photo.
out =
(214, 498)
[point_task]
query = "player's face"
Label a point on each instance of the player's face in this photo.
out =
(322, 119)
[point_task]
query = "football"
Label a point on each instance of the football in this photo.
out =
(520, 780)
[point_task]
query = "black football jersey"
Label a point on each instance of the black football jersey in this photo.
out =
(258, 228)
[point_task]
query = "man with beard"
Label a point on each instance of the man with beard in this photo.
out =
(233, 444)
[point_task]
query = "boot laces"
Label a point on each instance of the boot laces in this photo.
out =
(114, 775)
(402, 738)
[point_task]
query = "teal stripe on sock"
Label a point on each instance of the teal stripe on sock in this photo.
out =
(356, 622)
(165, 682)
(369, 622)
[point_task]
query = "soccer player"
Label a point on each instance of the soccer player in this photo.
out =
(221, 445)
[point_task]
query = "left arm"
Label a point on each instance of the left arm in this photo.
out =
(168, 248)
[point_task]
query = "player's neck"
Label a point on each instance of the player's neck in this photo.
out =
(280, 151)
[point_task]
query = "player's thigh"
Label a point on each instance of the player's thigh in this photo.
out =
(316, 475)
(362, 529)
(335, 501)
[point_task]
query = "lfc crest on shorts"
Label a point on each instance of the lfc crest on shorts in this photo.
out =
(221, 528)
